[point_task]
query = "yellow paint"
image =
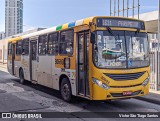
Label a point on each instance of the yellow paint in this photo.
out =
(61, 64)
(102, 94)
(17, 58)
(25, 64)
(65, 26)
(99, 93)
(14, 40)
(87, 20)
(81, 28)
(9, 57)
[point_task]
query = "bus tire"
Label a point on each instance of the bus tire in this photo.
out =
(21, 76)
(65, 90)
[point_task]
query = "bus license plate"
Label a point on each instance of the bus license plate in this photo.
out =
(127, 93)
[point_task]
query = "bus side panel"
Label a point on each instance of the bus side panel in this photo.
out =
(25, 65)
(17, 65)
(55, 74)
(9, 64)
(44, 71)
(70, 73)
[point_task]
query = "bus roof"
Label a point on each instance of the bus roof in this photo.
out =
(85, 21)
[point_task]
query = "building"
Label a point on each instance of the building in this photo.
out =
(152, 25)
(151, 19)
(2, 35)
(13, 17)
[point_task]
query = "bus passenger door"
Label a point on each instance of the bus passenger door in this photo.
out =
(13, 58)
(83, 65)
(33, 60)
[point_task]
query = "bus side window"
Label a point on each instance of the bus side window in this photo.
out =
(66, 42)
(25, 47)
(42, 45)
(10, 48)
(53, 44)
(19, 47)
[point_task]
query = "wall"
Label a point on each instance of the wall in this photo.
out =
(3, 51)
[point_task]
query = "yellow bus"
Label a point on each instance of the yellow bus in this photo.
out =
(97, 58)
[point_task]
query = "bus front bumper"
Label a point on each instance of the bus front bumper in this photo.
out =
(119, 93)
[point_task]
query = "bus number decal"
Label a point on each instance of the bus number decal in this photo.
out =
(113, 64)
(59, 61)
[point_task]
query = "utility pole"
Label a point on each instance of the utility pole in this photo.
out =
(123, 8)
(133, 9)
(158, 23)
(158, 54)
(127, 7)
(110, 7)
(116, 9)
(138, 8)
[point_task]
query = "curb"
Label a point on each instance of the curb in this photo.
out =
(3, 66)
(149, 100)
(4, 69)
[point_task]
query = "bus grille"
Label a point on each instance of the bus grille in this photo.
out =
(122, 77)
(125, 86)
(121, 94)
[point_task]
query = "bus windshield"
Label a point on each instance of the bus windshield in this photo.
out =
(121, 49)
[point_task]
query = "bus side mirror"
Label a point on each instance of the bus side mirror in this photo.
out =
(92, 37)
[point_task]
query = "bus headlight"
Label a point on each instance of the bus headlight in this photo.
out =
(145, 82)
(100, 83)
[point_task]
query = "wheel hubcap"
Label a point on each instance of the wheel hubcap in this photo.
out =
(65, 91)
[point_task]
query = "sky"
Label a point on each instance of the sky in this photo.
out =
(49, 13)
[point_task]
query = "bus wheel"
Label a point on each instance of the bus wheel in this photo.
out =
(21, 76)
(65, 90)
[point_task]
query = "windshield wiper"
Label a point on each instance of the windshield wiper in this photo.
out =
(111, 32)
(137, 32)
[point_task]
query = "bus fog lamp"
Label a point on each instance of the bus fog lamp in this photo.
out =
(145, 82)
(100, 83)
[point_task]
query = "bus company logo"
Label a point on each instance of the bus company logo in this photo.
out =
(6, 115)
(127, 71)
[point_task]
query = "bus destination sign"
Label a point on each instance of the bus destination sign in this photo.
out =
(123, 23)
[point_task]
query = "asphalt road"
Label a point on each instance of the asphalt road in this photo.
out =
(16, 97)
